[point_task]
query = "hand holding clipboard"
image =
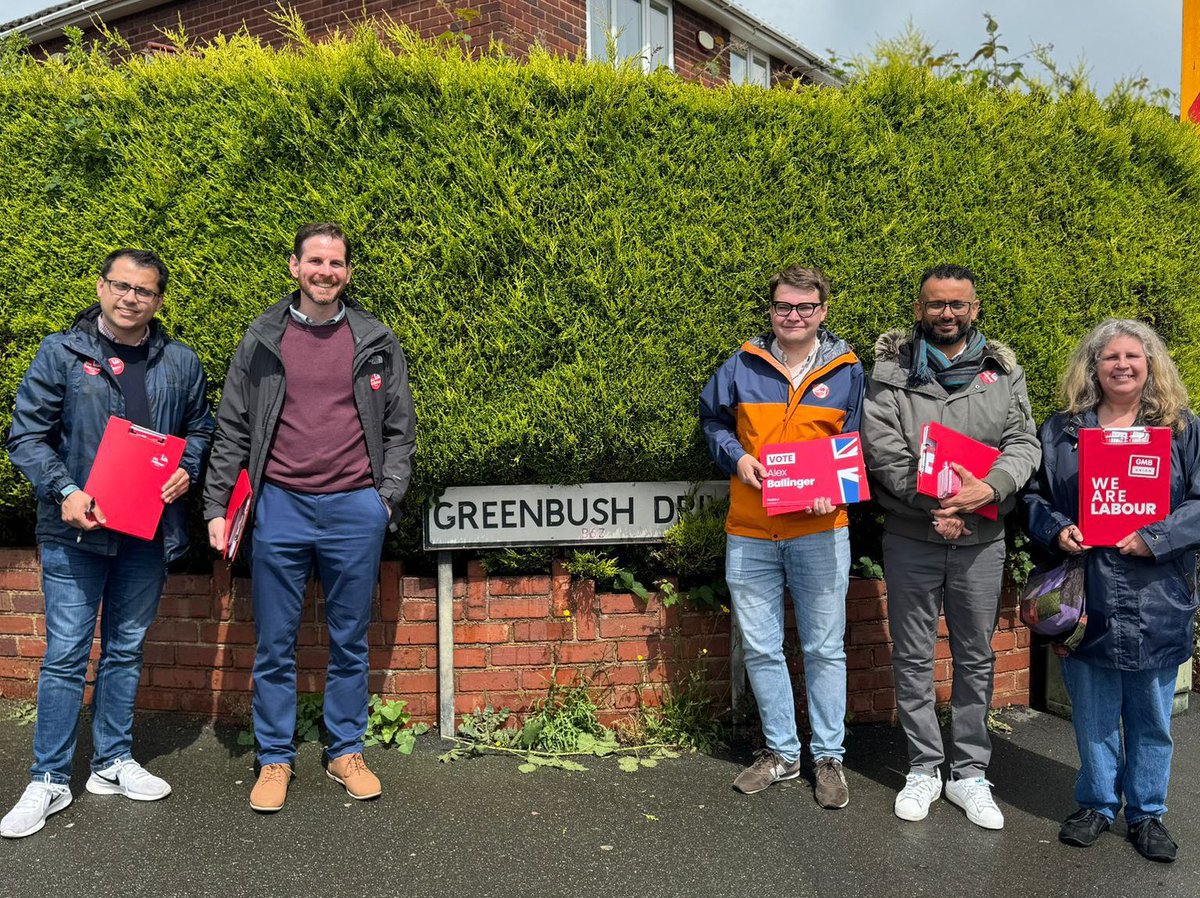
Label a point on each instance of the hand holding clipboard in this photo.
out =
(132, 467)
(225, 534)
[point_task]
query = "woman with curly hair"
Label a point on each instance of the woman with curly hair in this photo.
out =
(1140, 594)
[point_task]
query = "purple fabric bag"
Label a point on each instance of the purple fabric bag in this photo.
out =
(1053, 603)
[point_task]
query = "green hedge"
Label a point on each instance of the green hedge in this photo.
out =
(565, 250)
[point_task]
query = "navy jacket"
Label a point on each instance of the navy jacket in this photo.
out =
(62, 409)
(1139, 609)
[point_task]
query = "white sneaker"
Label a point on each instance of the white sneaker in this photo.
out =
(975, 797)
(40, 799)
(128, 778)
(919, 792)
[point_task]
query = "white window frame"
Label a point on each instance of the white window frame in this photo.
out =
(751, 53)
(646, 51)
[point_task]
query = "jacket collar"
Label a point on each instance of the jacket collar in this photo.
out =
(83, 335)
(270, 325)
(896, 346)
(829, 348)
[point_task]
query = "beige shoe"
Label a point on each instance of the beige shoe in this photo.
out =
(270, 792)
(352, 772)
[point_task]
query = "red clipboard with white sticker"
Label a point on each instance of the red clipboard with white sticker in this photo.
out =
(941, 447)
(1124, 481)
(131, 467)
(237, 515)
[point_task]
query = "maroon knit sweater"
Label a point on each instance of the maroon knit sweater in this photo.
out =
(319, 445)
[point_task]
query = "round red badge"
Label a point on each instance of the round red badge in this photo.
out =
(376, 381)
(989, 377)
(821, 391)
(117, 365)
(91, 368)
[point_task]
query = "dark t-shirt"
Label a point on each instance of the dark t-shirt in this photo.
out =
(128, 363)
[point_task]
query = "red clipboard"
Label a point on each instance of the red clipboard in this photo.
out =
(131, 467)
(237, 515)
(1124, 481)
(940, 446)
(801, 472)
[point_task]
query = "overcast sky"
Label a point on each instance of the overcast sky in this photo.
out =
(1117, 38)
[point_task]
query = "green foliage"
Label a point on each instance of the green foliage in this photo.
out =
(22, 713)
(628, 581)
(567, 250)
(867, 568)
(487, 726)
(693, 548)
(687, 715)
(565, 726)
(1018, 560)
(594, 565)
(566, 722)
(517, 561)
(387, 724)
(310, 710)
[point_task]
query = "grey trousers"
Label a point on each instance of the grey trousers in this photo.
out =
(922, 579)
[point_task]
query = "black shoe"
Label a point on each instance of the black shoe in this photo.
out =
(1152, 840)
(1083, 828)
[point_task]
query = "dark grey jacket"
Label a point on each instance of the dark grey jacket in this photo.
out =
(62, 410)
(253, 399)
(994, 409)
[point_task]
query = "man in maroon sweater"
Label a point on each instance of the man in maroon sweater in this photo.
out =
(317, 409)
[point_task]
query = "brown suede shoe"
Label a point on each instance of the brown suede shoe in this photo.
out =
(270, 791)
(352, 772)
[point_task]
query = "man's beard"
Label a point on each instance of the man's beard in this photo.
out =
(313, 298)
(938, 339)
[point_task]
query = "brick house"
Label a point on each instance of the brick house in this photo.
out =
(710, 41)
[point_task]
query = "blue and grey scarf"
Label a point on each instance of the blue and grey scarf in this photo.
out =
(929, 363)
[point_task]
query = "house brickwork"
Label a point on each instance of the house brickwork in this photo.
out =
(558, 25)
(512, 635)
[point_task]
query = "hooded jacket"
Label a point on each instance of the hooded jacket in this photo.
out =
(750, 402)
(993, 409)
(63, 405)
(1139, 609)
(253, 399)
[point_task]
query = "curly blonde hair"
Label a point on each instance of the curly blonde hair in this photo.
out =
(1164, 397)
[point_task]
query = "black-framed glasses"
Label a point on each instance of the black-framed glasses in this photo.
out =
(121, 288)
(958, 306)
(803, 309)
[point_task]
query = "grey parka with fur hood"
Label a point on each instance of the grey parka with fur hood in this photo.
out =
(993, 409)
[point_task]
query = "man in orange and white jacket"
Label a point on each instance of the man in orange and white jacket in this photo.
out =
(798, 382)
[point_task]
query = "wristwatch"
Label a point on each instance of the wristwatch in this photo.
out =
(66, 491)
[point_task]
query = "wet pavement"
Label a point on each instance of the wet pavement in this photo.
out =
(479, 827)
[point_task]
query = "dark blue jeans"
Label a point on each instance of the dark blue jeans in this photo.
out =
(77, 584)
(341, 536)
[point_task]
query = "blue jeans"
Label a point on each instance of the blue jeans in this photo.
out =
(816, 571)
(76, 583)
(341, 535)
(1136, 763)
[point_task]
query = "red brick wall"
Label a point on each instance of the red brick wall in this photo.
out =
(691, 60)
(512, 634)
(558, 25)
(205, 19)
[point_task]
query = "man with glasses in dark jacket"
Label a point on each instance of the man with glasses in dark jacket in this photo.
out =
(115, 359)
(317, 409)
